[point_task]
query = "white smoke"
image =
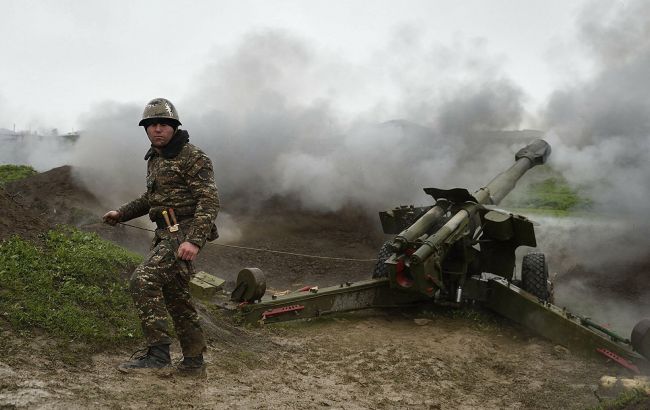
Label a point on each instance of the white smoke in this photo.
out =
(601, 127)
(600, 133)
(108, 158)
(279, 117)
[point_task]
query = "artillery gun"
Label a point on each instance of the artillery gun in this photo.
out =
(457, 251)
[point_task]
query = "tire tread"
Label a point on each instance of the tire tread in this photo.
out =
(534, 275)
(381, 270)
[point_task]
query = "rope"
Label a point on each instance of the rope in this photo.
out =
(294, 254)
(248, 248)
(137, 227)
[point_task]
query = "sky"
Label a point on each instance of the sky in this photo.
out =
(60, 58)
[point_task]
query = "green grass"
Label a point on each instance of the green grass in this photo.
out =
(555, 193)
(549, 195)
(10, 173)
(635, 399)
(69, 286)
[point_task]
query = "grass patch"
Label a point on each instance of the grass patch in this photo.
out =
(68, 286)
(550, 193)
(555, 193)
(632, 399)
(10, 173)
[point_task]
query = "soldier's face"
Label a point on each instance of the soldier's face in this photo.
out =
(160, 134)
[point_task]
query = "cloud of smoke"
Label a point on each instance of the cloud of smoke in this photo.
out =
(601, 139)
(279, 117)
(601, 127)
(43, 152)
(41, 147)
(108, 158)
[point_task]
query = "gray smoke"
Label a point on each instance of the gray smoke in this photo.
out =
(108, 158)
(43, 152)
(279, 117)
(601, 127)
(600, 132)
(40, 147)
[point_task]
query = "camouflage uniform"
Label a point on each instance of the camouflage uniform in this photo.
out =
(184, 181)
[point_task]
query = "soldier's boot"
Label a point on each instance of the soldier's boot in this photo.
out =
(157, 357)
(192, 366)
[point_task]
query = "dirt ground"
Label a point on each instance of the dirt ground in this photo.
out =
(369, 360)
(436, 359)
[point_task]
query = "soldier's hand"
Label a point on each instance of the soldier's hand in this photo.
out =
(111, 218)
(187, 251)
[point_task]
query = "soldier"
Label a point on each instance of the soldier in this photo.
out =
(180, 177)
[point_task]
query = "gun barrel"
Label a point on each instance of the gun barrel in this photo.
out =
(422, 224)
(430, 244)
(535, 153)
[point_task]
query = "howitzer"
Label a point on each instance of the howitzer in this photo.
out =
(460, 249)
(459, 237)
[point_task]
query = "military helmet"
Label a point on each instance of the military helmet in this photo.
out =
(159, 108)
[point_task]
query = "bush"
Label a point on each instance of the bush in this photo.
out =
(10, 173)
(70, 286)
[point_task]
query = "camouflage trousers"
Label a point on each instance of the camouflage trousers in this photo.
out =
(160, 285)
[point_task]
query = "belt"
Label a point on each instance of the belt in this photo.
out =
(182, 212)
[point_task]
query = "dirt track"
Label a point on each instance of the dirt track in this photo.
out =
(375, 359)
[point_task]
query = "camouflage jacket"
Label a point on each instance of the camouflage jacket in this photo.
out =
(184, 182)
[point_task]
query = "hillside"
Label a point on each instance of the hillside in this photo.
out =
(437, 358)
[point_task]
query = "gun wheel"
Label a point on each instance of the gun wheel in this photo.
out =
(534, 276)
(250, 285)
(641, 338)
(381, 270)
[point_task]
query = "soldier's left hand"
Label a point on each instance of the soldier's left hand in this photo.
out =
(187, 251)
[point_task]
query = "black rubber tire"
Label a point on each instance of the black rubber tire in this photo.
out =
(381, 270)
(534, 275)
(641, 338)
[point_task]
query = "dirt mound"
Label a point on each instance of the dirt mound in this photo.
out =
(41, 201)
(18, 219)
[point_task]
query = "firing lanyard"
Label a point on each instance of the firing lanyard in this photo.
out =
(248, 248)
